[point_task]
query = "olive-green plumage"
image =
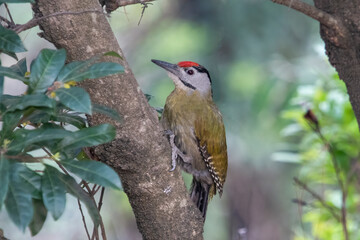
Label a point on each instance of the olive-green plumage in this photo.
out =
(196, 122)
(198, 129)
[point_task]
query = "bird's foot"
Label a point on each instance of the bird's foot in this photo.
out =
(175, 151)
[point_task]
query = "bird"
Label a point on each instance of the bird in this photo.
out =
(196, 130)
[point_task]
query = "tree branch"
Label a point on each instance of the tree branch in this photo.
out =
(35, 21)
(321, 16)
(317, 197)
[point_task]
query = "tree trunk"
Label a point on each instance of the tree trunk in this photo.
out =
(140, 152)
(345, 58)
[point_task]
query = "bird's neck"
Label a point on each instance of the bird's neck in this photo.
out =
(190, 93)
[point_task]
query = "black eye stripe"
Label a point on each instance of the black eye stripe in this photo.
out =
(188, 85)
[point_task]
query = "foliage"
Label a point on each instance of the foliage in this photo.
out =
(328, 139)
(43, 133)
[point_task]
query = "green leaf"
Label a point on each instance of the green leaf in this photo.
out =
(11, 54)
(159, 110)
(28, 178)
(73, 188)
(11, 73)
(75, 71)
(70, 118)
(4, 178)
(40, 213)
(79, 71)
(106, 111)
(53, 192)
(9, 100)
(94, 172)
(36, 100)
(103, 69)
(75, 98)
(18, 205)
(148, 96)
(113, 54)
(10, 122)
(18, 200)
(25, 138)
(39, 115)
(10, 41)
(20, 67)
(88, 137)
(45, 69)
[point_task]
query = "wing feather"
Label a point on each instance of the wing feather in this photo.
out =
(210, 132)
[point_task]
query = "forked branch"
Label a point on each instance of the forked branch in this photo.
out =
(321, 16)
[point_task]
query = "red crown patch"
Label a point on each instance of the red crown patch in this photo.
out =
(188, 64)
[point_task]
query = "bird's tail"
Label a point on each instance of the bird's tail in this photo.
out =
(200, 195)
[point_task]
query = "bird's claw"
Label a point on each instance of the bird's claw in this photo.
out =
(174, 149)
(168, 132)
(173, 164)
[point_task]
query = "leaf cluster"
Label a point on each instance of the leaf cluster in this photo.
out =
(324, 135)
(44, 133)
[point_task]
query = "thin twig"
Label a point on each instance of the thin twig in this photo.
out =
(123, 3)
(319, 15)
(102, 227)
(112, 5)
(317, 197)
(95, 234)
(300, 211)
(8, 11)
(57, 162)
(101, 198)
(93, 189)
(35, 21)
(86, 185)
(144, 6)
(26, 158)
(7, 22)
(337, 169)
(343, 215)
(97, 189)
(83, 219)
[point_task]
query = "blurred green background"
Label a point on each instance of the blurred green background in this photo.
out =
(258, 55)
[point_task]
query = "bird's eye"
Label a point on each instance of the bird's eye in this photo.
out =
(190, 72)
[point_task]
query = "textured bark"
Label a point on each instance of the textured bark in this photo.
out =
(346, 59)
(140, 153)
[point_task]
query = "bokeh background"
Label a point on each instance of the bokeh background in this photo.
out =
(259, 55)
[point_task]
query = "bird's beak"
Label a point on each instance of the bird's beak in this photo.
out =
(173, 68)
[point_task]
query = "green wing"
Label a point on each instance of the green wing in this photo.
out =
(210, 132)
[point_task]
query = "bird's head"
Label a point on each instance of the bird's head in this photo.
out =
(188, 76)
